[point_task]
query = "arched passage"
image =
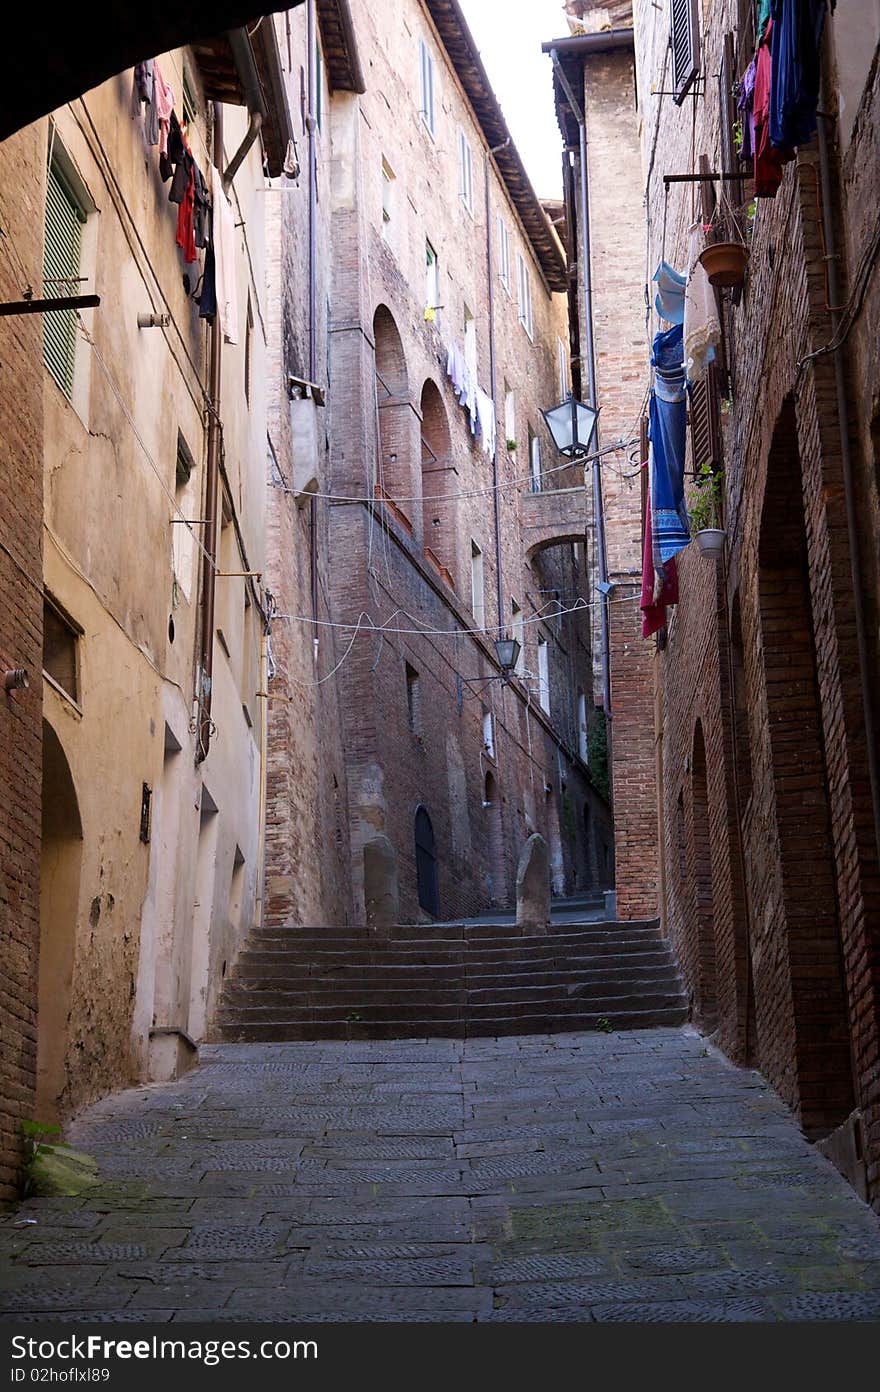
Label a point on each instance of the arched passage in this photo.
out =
(438, 485)
(492, 808)
(426, 864)
(817, 1029)
(60, 867)
(701, 859)
(394, 415)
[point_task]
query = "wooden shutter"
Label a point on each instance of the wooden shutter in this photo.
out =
(730, 160)
(685, 47)
(705, 425)
(746, 27)
(61, 265)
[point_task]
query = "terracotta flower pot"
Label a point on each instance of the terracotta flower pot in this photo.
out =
(710, 542)
(725, 262)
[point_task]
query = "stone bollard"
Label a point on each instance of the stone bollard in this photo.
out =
(381, 894)
(533, 887)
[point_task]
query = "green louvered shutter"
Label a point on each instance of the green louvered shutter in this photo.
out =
(61, 258)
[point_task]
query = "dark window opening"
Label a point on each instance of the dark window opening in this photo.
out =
(59, 648)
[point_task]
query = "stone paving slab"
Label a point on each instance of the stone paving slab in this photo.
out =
(571, 1178)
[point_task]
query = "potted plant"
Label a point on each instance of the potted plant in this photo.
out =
(511, 445)
(725, 261)
(704, 510)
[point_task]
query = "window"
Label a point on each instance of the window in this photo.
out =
(489, 733)
(59, 648)
(319, 83)
(387, 196)
(503, 254)
(426, 86)
(534, 463)
(543, 675)
(432, 279)
(685, 47)
(413, 699)
(470, 342)
(248, 336)
(524, 293)
(519, 632)
(510, 416)
(562, 360)
(190, 105)
(65, 216)
(183, 543)
(583, 731)
(465, 172)
(478, 600)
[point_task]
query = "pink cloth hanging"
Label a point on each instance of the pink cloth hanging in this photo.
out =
(655, 597)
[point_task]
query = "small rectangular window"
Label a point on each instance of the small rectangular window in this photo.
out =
(510, 417)
(543, 674)
(535, 469)
(387, 195)
(470, 342)
(562, 360)
(524, 293)
(190, 107)
(489, 733)
(432, 281)
(465, 172)
(478, 597)
(685, 47)
(518, 627)
(62, 250)
(59, 648)
(426, 86)
(504, 254)
(583, 730)
(413, 703)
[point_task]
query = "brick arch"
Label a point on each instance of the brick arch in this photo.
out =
(700, 858)
(394, 417)
(439, 484)
(806, 926)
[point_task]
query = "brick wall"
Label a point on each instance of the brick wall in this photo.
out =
(762, 662)
(21, 617)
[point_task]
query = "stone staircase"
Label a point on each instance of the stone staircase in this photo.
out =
(451, 980)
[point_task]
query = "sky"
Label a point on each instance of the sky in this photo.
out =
(509, 34)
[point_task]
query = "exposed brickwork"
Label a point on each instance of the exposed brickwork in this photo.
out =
(764, 660)
(21, 618)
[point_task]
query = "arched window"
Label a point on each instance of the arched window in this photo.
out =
(438, 485)
(394, 418)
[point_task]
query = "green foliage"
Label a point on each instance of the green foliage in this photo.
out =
(597, 751)
(704, 499)
(50, 1166)
(604, 1025)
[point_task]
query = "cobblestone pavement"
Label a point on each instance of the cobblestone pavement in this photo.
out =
(632, 1176)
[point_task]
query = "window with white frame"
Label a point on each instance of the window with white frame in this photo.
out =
(432, 278)
(387, 196)
(504, 254)
(510, 416)
(562, 359)
(543, 674)
(518, 628)
(524, 293)
(489, 733)
(534, 463)
(466, 172)
(426, 86)
(478, 591)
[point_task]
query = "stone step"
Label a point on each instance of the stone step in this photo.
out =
(497, 1026)
(352, 989)
(434, 933)
(279, 951)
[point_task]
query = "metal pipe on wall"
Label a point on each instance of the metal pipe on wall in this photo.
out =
(848, 481)
(311, 126)
(493, 385)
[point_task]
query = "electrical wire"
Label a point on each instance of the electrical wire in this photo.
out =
(383, 628)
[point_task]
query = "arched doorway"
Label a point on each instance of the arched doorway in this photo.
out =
(492, 806)
(394, 416)
(703, 893)
(426, 864)
(807, 984)
(60, 867)
(438, 478)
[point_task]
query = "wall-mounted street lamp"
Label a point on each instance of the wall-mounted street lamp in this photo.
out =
(572, 425)
(507, 651)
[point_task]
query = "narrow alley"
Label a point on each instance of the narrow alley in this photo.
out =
(577, 1177)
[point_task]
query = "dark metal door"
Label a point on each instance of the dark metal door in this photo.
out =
(426, 864)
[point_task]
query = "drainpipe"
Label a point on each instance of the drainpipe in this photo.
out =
(243, 54)
(493, 384)
(579, 113)
(311, 126)
(212, 469)
(848, 482)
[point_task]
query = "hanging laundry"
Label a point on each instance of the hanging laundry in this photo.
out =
(794, 86)
(163, 105)
(201, 204)
(206, 299)
(763, 17)
(669, 300)
(175, 150)
(659, 589)
(486, 421)
(185, 236)
(456, 370)
(702, 326)
(142, 93)
(769, 159)
(746, 107)
(223, 242)
(667, 437)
